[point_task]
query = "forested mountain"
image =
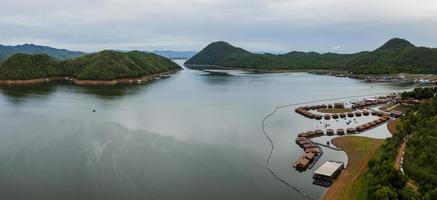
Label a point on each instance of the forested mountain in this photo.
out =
(395, 56)
(105, 65)
(61, 54)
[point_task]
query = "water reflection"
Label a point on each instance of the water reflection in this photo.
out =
(101, 160)
(111, 92)
(216, 73)
(20, 94)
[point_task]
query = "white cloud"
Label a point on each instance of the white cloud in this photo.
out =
(274, 25)
(336, 47)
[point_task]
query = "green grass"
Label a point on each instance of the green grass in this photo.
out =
(357, 190)
(402, 108)
(359, 150)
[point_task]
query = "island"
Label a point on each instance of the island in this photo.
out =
(395, 56)
(103, 68)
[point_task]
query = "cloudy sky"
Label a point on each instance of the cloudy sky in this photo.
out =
(257, 25)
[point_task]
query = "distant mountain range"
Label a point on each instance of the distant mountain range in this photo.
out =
(60, 54)
(395, 56)
(174, 54)
(63, 54)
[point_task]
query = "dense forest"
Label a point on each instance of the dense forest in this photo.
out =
(420, 93)
(420, 155)
(105, 65)
(419, 125)
(382, 180)
(60, 54)
(395, 56)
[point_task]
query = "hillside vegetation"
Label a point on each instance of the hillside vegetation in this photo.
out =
(382, 180)
(420, 158)
(105, 65)
(395, 56)
(60, 54)
(25, 66)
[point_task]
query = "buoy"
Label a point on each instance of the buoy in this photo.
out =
(94, 110)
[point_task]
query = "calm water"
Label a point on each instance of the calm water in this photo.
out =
(196, 135)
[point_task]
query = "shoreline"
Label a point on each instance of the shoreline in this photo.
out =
(315, 71)
(372, 78)
(392, 126)
(81, 82)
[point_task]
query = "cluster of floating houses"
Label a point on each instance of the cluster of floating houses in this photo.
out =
(328, 171)
(375, 101)
(401, 79)
(371, 124)
(312, 151)
(303, 111)
(409, 101)
(387, 79)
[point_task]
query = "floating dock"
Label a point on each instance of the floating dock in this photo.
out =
(327, 172)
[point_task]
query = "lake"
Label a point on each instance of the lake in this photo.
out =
(196, 135)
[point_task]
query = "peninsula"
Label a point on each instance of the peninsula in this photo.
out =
(103, 68)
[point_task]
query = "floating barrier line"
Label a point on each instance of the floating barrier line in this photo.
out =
(272, 147)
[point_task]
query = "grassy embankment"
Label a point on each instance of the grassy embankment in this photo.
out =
(396, 107)
(349, 185)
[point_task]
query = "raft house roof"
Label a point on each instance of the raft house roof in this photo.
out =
(313, 150)
(351, 130)
(302, 162)
(329, 168)
(339, 105)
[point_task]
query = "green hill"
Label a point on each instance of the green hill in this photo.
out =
(105, 65)
(395, 56)
(25, 66)
(396, 43)
(60, 54)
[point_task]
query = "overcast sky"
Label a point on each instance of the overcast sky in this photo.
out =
(256, 25)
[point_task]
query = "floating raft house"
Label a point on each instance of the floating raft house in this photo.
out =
(329, 170)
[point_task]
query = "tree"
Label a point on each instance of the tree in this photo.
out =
(385, 193)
